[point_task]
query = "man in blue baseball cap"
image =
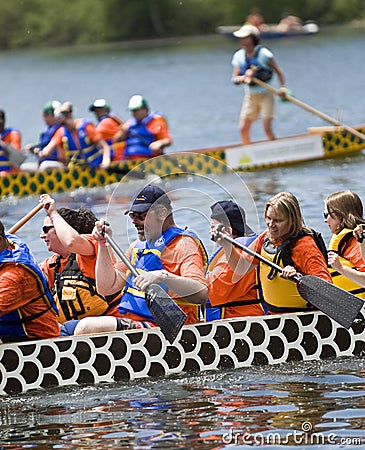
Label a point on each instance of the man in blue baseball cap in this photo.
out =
(164, 254)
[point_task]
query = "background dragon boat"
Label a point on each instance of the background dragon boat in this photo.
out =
(218, 345)
(318, 143)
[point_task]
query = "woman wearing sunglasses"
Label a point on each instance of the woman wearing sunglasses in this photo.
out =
(71, 270)
(343, 213)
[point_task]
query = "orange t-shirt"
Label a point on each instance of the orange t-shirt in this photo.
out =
(306, 256)
(352, 253)
(182, 256)
(158, 126)
(14, 139)
(108, 128)
(18, 287)
(223, 290)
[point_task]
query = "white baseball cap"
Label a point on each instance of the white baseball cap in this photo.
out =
(247, 30)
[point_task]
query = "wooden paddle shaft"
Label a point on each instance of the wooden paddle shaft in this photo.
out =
(25, 219)
(311, 109)
(121, 255)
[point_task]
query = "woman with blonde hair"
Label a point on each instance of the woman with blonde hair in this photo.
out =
(343, 214)
(288, 243)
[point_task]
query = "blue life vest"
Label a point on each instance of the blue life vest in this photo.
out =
(139, 138)
(146, 256)
(215, 313)
(85, 150)
(45, 138)
(13, 323)
(263, 73)
(5, 165)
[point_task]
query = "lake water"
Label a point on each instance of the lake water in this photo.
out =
(296, 404)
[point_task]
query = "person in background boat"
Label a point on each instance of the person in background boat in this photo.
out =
(255, 19)
(108, 126)
(255, 60)
(343, 214)
(229, 297)
(169, 255)
(10, 141)
(286, 242)
(289, 24)
(27, 308)
(77, 141)
(147, 134)
(52, 125)
(71, 270)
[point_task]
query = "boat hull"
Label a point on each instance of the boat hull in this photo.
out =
(272, 32)
(322, 143)
(219, 345)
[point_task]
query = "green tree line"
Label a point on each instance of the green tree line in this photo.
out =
(40, 23)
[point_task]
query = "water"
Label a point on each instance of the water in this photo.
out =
(296, 404)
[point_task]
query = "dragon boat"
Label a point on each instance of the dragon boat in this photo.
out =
(316, 144)
(138, 354)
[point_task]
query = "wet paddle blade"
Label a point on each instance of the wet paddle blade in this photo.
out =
(338, 304)
(166, 313)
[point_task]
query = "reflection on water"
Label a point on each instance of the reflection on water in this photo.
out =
(294, 403)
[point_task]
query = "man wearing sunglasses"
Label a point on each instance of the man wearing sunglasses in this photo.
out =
(169, 255)
(71, 269)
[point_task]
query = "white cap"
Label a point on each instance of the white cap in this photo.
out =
(247, 30)
(137, 102)
(99, 103)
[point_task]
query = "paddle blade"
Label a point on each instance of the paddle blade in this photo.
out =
(15, 156)
(166, 313)
(338, 304)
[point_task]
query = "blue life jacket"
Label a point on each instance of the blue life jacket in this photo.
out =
(45, 138)
(5, 165)
(139, 138)
(146, 256)
(261, 72)
(215, 313)
(85, 150)
(13, 323)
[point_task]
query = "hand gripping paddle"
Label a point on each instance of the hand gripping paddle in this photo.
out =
(340, 305)
(166, 313)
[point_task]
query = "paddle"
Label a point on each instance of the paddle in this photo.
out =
(25, 219)
(338, 304)
(310, 109)
(166, 313)
(16, 157)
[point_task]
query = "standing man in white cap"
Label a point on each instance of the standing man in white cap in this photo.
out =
(255, 60)
(147, 133)
(108, 126)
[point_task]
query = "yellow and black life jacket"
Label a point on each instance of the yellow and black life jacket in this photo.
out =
(76, 294)
(338, 244)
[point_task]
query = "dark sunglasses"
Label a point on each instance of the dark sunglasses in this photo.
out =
(326, 214)
(45, 229)
(139, 216)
